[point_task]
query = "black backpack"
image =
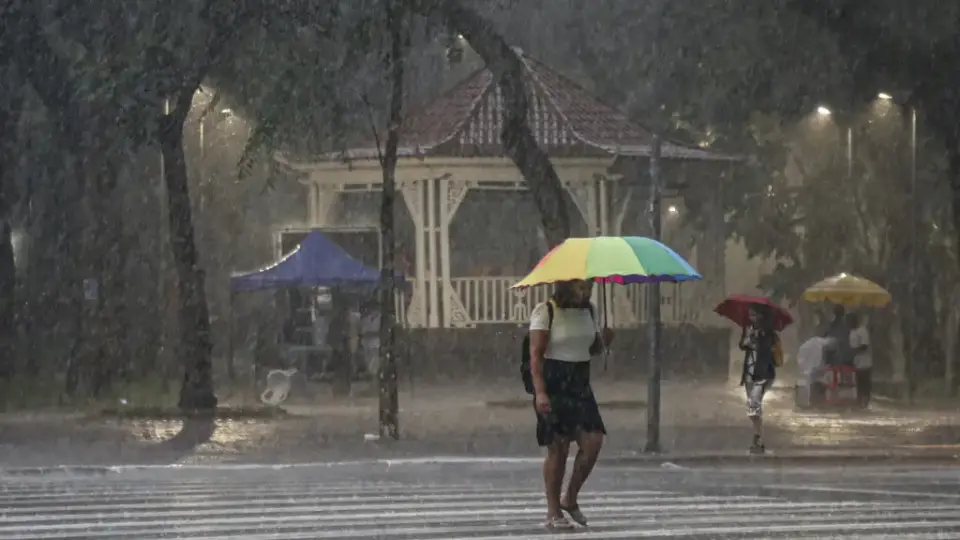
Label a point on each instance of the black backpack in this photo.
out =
(525, 375)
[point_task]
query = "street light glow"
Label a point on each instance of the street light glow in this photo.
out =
(823, 111)
(884, 96)
(672, 209)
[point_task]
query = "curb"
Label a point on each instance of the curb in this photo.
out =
(787, 459)
(68, 470)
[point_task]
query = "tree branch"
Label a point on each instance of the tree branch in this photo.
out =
(223, 30)
(518, 140)
(47, 72)
(373, 129)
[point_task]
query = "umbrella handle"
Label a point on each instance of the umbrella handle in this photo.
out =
(603, 292)
(606, 349)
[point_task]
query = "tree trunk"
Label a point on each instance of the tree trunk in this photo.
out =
(9, 118)
(8, 326)
(518, 140)
(68, 295)
(196, 391)
(953, 153)
(389, 401)
(91, 263)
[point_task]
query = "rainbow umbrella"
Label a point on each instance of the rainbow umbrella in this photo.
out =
(610, 259)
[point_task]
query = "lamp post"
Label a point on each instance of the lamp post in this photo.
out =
(824, 112)
(162, 239)
(656, 325)
(914, 211)
(914, 238)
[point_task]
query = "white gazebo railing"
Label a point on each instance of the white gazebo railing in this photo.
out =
(401, 305)
(679, 303)
(490, 300)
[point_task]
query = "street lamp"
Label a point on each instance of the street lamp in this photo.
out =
(916, 215)
(915, 210)
(824, 112)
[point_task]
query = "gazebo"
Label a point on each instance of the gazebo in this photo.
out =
(451, 147)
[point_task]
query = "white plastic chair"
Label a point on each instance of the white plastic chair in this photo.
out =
(278, 386)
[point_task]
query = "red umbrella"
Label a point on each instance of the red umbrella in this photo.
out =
(736, 308)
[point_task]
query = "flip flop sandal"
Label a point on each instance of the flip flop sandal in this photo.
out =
(558, 524)
(575, 514)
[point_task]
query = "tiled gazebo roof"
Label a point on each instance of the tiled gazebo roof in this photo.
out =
(567, 122)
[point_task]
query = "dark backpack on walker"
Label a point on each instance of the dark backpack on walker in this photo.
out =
(525, 373)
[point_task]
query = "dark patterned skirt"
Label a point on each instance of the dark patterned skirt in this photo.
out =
(573, 407)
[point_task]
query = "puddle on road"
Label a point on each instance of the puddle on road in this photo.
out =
(229, 435)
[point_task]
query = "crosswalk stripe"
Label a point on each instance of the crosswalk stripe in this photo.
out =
(172, 508)
(323, 495)
(215, 509)
(725, 524)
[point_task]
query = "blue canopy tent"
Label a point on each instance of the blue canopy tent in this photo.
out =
(316, 262)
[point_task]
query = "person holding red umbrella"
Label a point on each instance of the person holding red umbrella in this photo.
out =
(761, 345)
(760, 320)
(737, 309)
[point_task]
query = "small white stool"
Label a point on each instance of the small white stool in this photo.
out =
(278, 386)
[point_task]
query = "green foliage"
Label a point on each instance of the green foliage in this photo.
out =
(30, 393)
(708, 63)
(735, 75)
(307, 78)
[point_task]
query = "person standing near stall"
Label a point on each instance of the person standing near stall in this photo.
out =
(810, 388)
(840, 332)
(862, 358)
(339, 340)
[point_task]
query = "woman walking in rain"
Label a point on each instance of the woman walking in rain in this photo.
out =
(563, 337)
(759, 341)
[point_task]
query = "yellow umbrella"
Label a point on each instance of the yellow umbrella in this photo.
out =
(848, 290)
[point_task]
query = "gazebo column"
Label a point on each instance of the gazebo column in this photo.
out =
(413, 194)
(433, 286)
(321, 198)
(619, 195)
(313, 198)
(452, 193)
(591, 197)
(585, 195)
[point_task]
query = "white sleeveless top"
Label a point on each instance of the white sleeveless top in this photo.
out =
(571, 336)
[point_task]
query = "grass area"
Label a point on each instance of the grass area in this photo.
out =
(47, 393)
(30, 393)
(147, 398)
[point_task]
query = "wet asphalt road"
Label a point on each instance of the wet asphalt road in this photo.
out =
(697, 419)
(418, 499)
